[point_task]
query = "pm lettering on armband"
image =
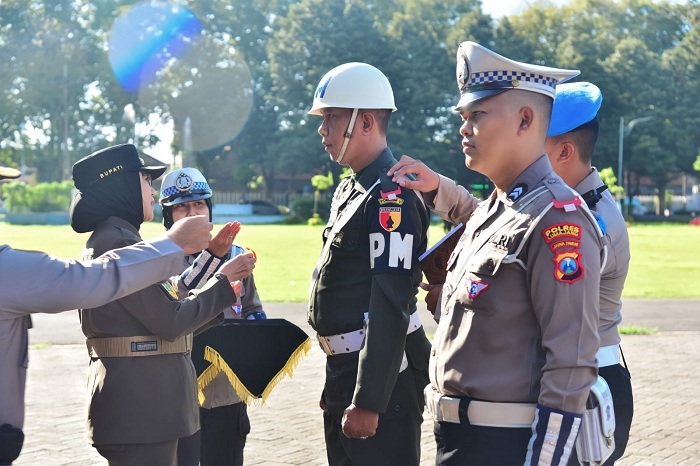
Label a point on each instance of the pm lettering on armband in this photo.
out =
(399, 249)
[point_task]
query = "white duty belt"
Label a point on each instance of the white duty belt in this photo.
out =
(443, 408)
(127, 347)
(351, 342)
(608, 355)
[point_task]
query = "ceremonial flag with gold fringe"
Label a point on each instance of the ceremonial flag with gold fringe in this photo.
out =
(254, 354)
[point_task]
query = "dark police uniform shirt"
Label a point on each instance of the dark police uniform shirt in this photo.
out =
(146, 399)
(372, 268)
(519, 311)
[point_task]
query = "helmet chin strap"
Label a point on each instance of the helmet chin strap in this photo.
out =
(348, 134)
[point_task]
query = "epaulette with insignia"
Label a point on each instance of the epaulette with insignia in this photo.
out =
(169, 290)
(389, 191)
(564, 197)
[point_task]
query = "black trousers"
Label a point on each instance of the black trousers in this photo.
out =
(221, 440)
(618, 379)
(468, 445)
(397, 441)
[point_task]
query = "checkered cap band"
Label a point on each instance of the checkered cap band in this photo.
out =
(496, 76)
(198, 187)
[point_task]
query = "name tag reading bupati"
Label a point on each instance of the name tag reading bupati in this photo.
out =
(141, 346)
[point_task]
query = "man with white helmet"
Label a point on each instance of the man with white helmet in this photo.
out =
(224, 417)
(363, 293)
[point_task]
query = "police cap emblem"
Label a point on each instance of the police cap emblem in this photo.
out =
(183, 182)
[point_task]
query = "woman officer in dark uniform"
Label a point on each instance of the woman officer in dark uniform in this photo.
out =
(141, 382)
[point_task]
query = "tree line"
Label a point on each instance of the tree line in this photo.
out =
(55, 77)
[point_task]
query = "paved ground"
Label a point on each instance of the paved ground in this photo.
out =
(288, 430)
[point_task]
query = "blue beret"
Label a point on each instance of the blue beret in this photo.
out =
(575, 105)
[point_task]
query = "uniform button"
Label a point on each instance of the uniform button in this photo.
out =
(342, 337)
(432, 352)
(397, 408)
(552, 181)
(351, 242)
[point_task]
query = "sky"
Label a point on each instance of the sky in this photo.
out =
(499, 8)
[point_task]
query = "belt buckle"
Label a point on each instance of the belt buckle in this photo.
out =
(325, 347)
(435, 406)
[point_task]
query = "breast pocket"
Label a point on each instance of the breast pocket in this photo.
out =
(347, 239)
(477, 291)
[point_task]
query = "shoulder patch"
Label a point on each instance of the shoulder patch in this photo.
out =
(562, 236)
(561, 230)
(568, 267)
(390, 218)
(169, 290)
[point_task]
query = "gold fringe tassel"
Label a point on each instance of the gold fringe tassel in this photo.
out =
(218, 365)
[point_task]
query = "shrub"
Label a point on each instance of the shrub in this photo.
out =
(315, 221)
(42, 197)
(304, 207)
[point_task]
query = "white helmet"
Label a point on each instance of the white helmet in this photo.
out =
(353, 85)
(184, 185)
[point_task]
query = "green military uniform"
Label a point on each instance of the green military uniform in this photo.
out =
(371, 269)
(147, 399)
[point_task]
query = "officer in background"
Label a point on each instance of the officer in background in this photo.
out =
(513, 358)
(571, 139)
(223, 416)
(363, 292)
(32, 282)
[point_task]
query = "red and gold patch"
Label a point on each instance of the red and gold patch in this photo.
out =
(568, 268)
(560, 231)
(390, 217)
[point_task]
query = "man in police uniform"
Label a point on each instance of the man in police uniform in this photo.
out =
(363, 292)
(571, 140)
(32, 282)
(513, 358)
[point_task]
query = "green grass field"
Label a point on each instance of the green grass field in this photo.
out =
(665, 257)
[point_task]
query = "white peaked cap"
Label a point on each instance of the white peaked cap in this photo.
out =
(482, 73)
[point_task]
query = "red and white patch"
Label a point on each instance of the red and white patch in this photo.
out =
(568, 206)
(475, 287)
(391, 195)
